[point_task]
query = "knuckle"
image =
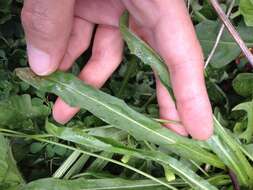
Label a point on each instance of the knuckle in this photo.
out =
(39, 23)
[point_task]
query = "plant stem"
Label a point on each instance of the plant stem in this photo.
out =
(219, 35)
(233, 179)
(232, 31)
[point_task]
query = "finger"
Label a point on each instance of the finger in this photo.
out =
(47, 26)
(79, 41)
(180, 48)
(106, 56)
(167, 109)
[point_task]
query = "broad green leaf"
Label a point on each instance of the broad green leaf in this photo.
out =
(227, 50)
(116, 112)
(109, 145)
(18, 109)
(246, 9)
(9, 174)
(243, 84)
(93, 184)
(248, 108)
(148, 56)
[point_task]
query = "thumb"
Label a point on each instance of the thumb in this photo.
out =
(47, 25)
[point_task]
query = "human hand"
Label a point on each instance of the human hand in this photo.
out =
(59, 31)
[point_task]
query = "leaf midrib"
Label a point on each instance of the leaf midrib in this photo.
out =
(99, 102)
(139, 124)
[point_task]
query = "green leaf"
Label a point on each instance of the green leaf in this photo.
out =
(246, 9)
(99, 164)
(9, 174)
(227, 50)
(115, 112)
(229, 151)
(93, 184)
(36, 147)
(5, 5)
(78, 166)
(148, 56)
(71, 165)
(215, 93)
(249, 149)
(243, 84)
(109, 145)
(248, 108)
(18, 109)
(169, 175)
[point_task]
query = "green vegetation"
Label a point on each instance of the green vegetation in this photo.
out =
(115, 141)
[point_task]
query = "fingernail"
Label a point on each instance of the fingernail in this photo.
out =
(39, 60)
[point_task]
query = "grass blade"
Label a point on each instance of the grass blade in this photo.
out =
(230, 152)
(93, 184)
(109, 145)
(66, 165)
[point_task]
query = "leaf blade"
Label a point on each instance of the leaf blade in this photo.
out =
(80, 137)
(75, 93)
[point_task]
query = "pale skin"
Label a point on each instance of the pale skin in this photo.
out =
(59, 31)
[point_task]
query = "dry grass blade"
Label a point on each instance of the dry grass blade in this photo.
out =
(232, 30)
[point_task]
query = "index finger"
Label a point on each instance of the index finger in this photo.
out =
(178, 45)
